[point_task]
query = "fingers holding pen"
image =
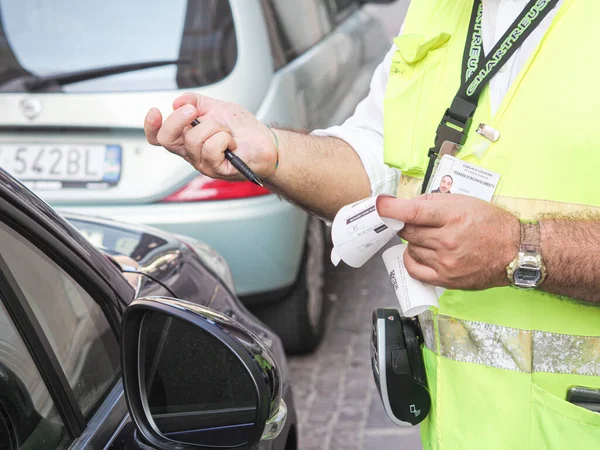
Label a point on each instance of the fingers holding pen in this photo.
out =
(152, 125)
(213, 162)
(202, 103)
(202, 144)
(169, 134)
(205, 145)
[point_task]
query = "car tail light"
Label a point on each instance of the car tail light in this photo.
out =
(204, 188)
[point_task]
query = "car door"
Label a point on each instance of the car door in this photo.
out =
(56, 345)
(60, 308)
(61, 304)
(60, 374)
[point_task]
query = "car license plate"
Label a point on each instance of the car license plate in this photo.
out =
(63, 165)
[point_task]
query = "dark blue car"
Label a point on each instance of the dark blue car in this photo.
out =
(135, 342)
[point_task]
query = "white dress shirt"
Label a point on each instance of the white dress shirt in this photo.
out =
(364, 130)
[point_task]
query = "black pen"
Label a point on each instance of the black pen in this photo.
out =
(238, 163)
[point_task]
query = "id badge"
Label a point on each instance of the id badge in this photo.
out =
(455, 176)
(447, 148)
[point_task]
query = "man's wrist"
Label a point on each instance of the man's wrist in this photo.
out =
(527, 269)
(511, 235)
(276, 143)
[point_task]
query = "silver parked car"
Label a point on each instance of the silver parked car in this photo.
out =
(76, 80)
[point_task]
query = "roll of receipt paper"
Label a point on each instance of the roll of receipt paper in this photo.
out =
(414, 296)
(358, 232)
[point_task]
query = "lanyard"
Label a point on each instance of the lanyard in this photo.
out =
(477, 72)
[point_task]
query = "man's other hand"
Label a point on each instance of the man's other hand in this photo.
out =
(222, 126)
(455, 241)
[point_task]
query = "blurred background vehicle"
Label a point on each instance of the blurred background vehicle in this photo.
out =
(61, 306)
(76, 80)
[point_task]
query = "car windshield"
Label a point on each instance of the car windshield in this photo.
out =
(41, 38)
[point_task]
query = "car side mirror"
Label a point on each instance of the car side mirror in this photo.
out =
(195, 378)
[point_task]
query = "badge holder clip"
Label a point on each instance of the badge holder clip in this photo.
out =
(450, 136)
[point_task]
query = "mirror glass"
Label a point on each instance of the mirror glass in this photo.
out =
(196, 389)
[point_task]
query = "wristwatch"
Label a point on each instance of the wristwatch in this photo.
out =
(527, 270)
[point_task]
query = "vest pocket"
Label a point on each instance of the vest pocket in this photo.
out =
(558, 424)
(411, 74)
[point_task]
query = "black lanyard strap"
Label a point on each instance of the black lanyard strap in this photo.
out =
(474, 46)
(477, 72)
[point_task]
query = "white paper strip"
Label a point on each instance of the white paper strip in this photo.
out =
(414, 296)
(358, 232)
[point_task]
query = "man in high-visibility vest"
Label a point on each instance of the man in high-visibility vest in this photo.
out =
(512, 85)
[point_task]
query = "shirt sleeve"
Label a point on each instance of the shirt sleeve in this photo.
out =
(363, 131)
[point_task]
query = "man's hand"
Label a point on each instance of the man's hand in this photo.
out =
(309, 166)
(455, 241)
(222, 126)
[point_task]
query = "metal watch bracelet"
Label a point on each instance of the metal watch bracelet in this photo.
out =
(527, 270)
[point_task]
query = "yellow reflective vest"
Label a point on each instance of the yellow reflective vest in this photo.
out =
(499, 362)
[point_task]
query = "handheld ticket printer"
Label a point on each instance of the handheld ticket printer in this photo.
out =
(398, 367)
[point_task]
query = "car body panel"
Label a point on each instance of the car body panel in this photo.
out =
(148, 174)
(263, 236)
(105, 425)
(325, 83)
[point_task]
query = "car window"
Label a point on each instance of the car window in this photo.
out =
(73, 322)
(277, 39)
(25, 403)
(300, 24)
(46, 38)
(340, 9)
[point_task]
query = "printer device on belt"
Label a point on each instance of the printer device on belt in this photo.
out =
(398, 367)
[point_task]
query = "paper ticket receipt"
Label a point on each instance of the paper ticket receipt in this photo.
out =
(358, 232)
(414, 296)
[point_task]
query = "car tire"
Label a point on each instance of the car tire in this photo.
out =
(299, 318)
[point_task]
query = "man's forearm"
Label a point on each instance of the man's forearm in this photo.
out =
(571, 252)
(321, 174)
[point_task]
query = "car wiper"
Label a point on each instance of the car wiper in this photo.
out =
(30, 83)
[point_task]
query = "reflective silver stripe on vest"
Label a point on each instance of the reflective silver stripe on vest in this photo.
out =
(428, 329)
(511, 348)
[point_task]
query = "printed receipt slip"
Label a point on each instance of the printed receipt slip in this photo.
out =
(358, 232)
(414, 296)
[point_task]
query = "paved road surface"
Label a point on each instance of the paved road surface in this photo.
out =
(337, 401)
(336, 398)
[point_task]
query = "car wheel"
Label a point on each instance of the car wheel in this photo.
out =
(299, 318)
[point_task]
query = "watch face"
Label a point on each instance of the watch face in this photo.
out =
(526, 277)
